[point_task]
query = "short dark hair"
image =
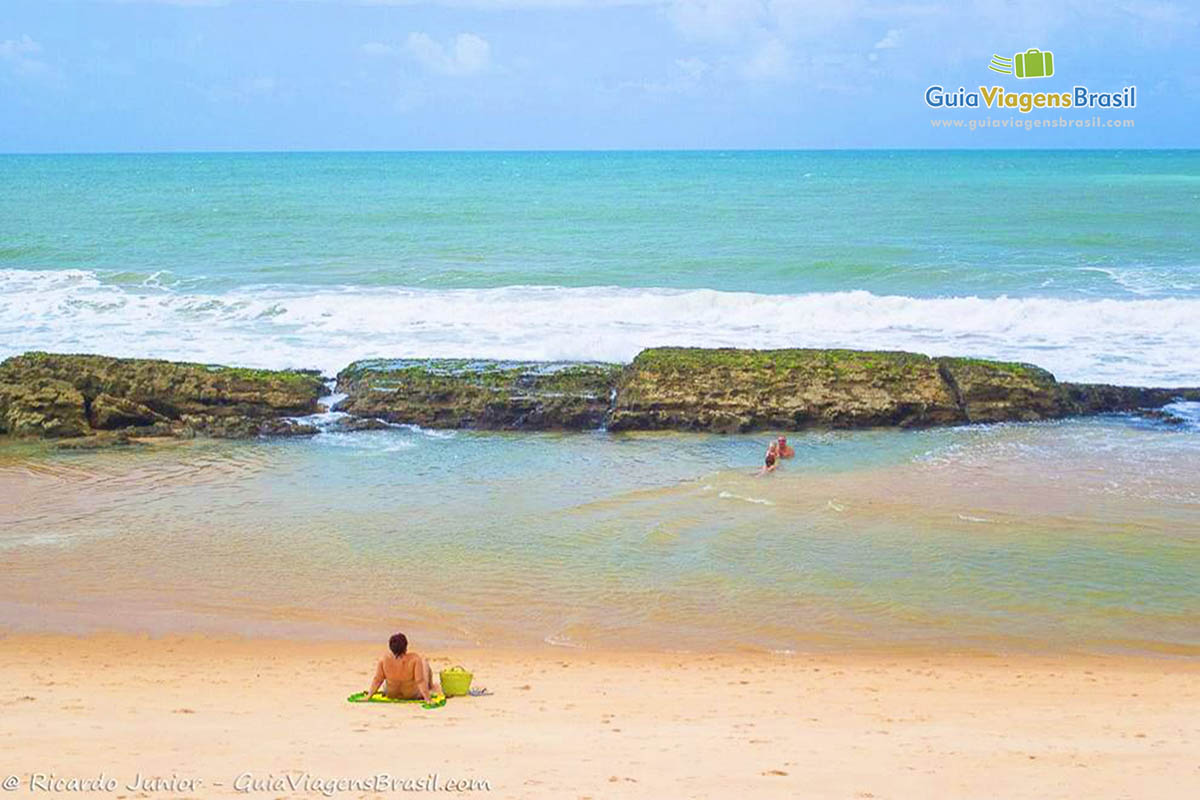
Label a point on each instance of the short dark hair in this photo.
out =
(399, 644)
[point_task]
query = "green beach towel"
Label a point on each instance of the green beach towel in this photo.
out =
(435, 701)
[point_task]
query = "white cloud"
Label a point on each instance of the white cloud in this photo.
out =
(726, 20)
(20, 56)
(771, 61)
(759, 40)
(718, 20)
(693, 68)
(465, 54)
(377, 49)
(11, 48)
(890, 40)
(685, 77)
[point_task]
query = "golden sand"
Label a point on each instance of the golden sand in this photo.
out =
(198, 715)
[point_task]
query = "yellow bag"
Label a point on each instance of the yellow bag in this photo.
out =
(456, 681)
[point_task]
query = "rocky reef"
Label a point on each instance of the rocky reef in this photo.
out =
(730, 390)
(685, 389)
(727, 390)
(744, 390)
(49, 395)
(494, 395)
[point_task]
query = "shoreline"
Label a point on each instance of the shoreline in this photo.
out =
(288, 632)
(605, 724)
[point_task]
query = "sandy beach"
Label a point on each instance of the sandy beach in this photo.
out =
(774, 400)
(210, 717)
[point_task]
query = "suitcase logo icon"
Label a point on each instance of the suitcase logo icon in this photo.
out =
(1033, 63)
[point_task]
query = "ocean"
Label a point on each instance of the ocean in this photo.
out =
(1077, 535)
(1086, 263)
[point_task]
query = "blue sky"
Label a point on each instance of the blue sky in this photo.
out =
(105, 75)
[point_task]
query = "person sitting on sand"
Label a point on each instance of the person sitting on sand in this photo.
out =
(782, 449)
(772, 459)
(407, 675)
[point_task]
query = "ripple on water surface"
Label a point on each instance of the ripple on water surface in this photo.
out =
(1070, 535)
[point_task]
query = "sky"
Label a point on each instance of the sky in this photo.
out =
(149, 75)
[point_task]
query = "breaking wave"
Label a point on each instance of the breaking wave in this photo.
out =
(1133, 341)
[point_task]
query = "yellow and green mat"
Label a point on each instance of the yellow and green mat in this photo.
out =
(435, 701)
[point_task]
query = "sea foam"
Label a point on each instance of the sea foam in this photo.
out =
(1133, 341)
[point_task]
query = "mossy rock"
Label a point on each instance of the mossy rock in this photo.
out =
(475, 393)
(689, 389)
(1002, 391)
(1102, 398)
(116, 393)
(109, 413)
(736, 390)
(42, 407)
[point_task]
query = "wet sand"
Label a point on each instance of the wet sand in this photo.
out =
(198, 712)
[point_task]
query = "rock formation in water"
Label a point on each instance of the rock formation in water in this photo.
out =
(495, 395)
(685, 389)
(48, 395)
(727, 390)
(744, 390)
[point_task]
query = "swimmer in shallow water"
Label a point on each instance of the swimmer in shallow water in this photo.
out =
(772, 459)
(783, 449)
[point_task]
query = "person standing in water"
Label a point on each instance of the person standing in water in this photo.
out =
(782, 449)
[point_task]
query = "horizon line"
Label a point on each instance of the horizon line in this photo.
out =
(597, 150)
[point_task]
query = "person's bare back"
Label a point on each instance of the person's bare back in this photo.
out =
(403, 675)
(399, 675)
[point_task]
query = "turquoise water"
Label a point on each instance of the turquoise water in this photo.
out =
(921, 224)
(1086, 262)
(1078, 535)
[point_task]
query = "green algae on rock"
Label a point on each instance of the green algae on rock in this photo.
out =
(41, 406)
(733, 390)
(668, 388)
(474, 393)
(52, 395)
(1001, 391)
